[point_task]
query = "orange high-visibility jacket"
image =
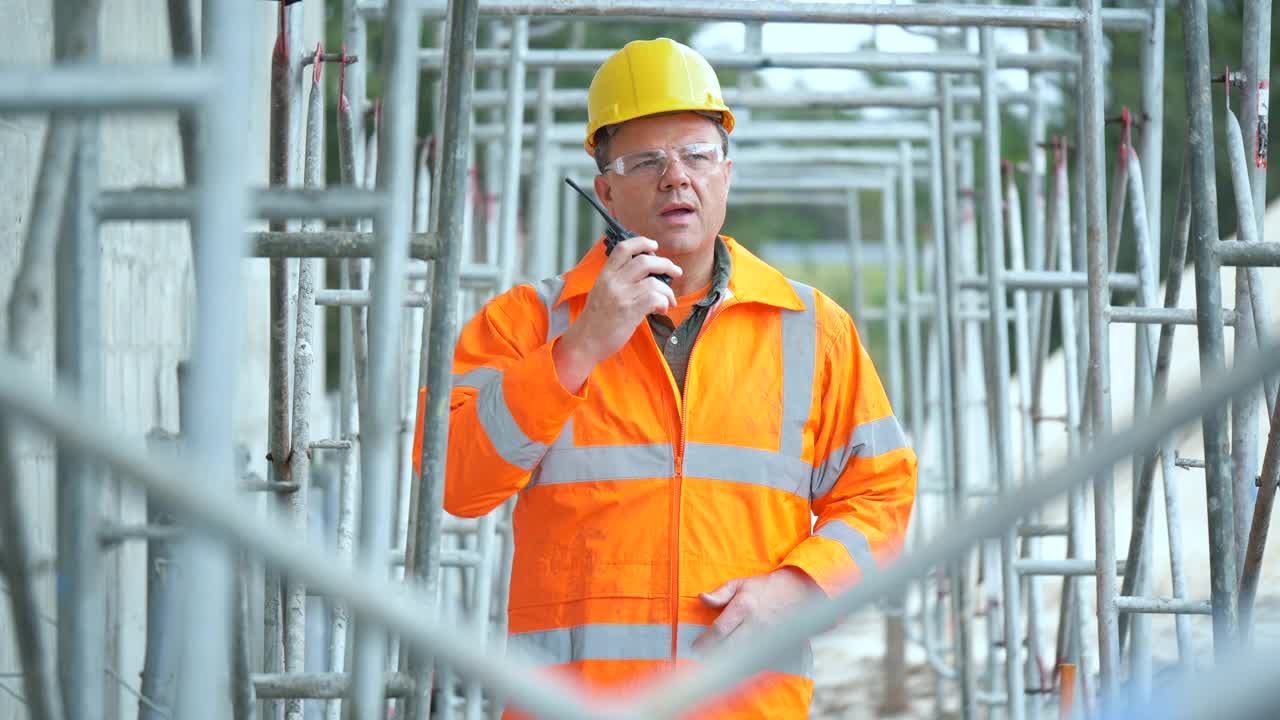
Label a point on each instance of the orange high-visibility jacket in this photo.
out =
(632, 498)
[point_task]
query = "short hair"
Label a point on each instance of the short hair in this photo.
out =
(605, 134)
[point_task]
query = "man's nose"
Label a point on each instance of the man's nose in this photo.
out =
(674, 176)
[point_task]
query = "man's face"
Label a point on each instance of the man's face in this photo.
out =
(681, 209)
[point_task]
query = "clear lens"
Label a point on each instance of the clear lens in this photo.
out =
(695, 158)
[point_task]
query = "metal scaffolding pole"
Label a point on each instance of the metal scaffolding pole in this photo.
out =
(1204, 205)
(81, 650)
(378, 415)
(1099, 399)
(463, 21)
(807, 12)
(950, 270)
(208, 568)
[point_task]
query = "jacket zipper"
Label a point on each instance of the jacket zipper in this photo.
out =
(679, 481)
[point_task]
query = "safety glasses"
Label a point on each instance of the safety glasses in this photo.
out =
(697, 159)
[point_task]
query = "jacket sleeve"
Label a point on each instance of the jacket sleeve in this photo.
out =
(506, 407)
(863, 484)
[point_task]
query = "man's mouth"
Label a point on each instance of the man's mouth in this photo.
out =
(676, 210)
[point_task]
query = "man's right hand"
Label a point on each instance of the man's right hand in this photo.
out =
(624, 294)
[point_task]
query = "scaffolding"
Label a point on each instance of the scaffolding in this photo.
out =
(424, 231)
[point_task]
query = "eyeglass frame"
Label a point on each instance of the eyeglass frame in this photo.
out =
(718, 149)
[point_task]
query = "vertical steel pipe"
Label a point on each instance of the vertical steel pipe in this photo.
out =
(82, 609)
(541, 245)
(948, 262)
(222, 214)
(1028, 465)
(892, 292)
(463, 21)
(998, 355)
(1091, 79)
(348, 411)
(853, 214)
(1147, 255)
(910, 252)
(1244, 409)
(1204, 204)
(514, 133)
(281, 152)
(379, 418)
(294, 604)
(1151, 139)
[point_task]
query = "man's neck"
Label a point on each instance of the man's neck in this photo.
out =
(697, 269)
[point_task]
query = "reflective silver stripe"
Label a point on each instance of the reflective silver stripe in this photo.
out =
(799, 350)
(867, 440)
(799, 663)
(747, 465)
(596, 642)
(604, 462)
(549, 291)
(476, 377)
(508, 439)
(631, 642)
(854, 541)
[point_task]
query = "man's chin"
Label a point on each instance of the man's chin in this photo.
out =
(682, 241)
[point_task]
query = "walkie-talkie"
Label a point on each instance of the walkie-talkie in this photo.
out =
(614, 233)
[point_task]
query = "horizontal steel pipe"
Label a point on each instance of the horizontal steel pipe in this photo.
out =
(774, 100)
(1163, 316)
(1051, 18)
(319, 685)
(771, 131)
(1265, 254)
(102, 88)
(1163, 605)
(334, 244)
(1042, 530)
(866, 60)
(360, 298)
(1059, 567)
(179, 203)
(1049, 280)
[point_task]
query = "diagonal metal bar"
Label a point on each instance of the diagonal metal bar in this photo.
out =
(733, 662)
(372, 596)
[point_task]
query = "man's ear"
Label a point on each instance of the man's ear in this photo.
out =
(605, 192)
(727, 167)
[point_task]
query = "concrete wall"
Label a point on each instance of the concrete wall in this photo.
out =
(147, 294)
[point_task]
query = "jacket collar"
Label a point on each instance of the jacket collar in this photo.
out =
(750, 280)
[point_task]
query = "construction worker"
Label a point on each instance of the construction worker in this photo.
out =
(691, 461)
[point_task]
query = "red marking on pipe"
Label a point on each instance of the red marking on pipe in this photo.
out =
(281, 51)
(343, 105)
(1059, 158)
(319, 63)
(1126, 123)
(1260, 136)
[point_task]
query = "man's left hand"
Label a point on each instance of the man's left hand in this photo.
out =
(759, 600)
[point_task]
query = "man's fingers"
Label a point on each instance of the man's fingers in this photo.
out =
(642, 266)
(717, 632)
(721, 595)
(632, 247)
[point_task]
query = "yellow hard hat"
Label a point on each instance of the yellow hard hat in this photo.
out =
(648, 77)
